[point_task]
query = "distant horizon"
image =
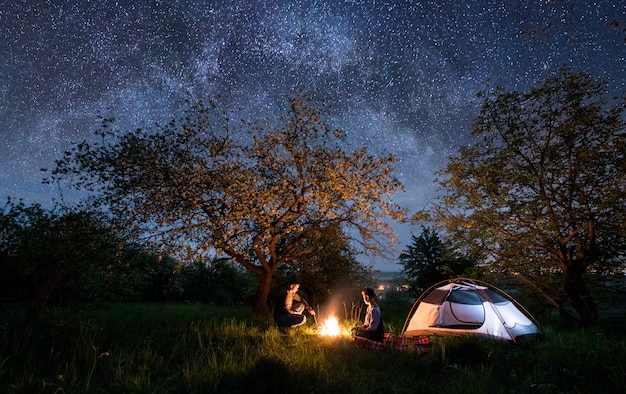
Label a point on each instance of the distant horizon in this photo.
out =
(386, 275)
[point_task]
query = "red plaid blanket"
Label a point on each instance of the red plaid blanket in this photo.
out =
(415, 344)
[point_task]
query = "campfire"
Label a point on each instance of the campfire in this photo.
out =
(330, 327)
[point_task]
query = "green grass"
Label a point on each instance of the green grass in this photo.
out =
(155, 348)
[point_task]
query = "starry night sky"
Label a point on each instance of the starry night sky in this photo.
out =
(403, 74)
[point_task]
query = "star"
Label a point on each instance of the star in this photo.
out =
(402, 74)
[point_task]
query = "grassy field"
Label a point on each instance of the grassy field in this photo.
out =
(157, 348)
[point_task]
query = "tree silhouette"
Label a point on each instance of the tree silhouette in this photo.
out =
(430, 259)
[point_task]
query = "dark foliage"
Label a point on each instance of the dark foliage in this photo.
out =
(430, 259)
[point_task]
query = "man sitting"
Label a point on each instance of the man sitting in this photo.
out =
(372, 328)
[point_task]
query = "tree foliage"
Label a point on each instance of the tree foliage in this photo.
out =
(541, 188)
(330, 272)
(50, 257)
(219, 281)
(430, 259)
(561, 18)
(253, 191)
(46, 253)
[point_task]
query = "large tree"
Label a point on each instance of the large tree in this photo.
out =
(253, 191)
(541, 187)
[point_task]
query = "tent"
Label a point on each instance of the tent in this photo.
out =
(469, 307)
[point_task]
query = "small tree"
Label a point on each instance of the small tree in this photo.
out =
(251, 191)
(542, 188)
(430, 259)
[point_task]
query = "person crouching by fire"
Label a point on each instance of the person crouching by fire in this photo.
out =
(290, 307)
(372, 327)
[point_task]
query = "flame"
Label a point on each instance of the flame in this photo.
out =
(330, 327)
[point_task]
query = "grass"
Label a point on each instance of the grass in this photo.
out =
(156, 348)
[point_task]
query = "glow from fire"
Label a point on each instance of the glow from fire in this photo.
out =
(330, 327)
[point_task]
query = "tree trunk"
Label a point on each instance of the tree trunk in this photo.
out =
(262, 293)
(580, 297)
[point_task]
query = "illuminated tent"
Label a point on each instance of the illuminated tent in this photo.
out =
(465, 307)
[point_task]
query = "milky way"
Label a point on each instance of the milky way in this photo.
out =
(402, 74)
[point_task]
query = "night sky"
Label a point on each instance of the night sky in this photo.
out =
(403, 74)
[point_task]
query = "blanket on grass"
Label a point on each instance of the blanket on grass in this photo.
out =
(414, 344)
